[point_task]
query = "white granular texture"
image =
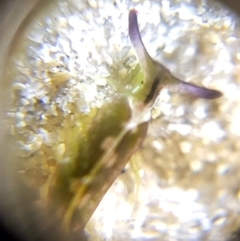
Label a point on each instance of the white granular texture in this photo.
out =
(189, 165)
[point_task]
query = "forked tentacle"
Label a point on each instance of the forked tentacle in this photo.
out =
(159, 76)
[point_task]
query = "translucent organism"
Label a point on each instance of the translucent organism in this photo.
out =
(116, 132)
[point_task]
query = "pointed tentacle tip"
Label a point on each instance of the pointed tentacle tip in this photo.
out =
(133, 25)
(197, 91)
(133, 11)
(208, 94)
(213, 94)
(132, 17)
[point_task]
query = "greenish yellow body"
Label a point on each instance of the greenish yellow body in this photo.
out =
(103, 151)
(110, 136)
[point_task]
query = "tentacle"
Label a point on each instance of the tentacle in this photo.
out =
(197, 91)
(144, 58)
(157, 76)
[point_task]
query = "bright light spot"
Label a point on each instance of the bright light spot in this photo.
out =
(212, 131)
(185, 147)
(157, 145)
(186, 13)
(196, 166)
(182, 129)
(181, 203)
(234, 126)
(200, 112)
(190, 51)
